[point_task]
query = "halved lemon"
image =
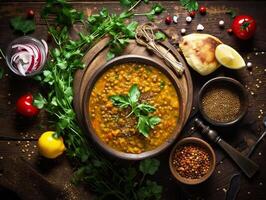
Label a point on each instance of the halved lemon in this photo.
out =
(229, 57)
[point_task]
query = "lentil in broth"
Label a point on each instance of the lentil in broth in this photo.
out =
(111, 123)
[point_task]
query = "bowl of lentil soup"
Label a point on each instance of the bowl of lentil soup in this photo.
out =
(223, 101)
(192, 161)
(113, 126)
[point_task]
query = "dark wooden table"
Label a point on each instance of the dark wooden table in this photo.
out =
(25, 176)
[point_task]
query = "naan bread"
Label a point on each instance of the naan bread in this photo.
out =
(199, 51)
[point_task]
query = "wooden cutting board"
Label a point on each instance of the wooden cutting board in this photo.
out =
(97, 56)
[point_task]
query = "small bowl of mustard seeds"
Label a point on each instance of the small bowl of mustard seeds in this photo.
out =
(223, 101)
(192, 161)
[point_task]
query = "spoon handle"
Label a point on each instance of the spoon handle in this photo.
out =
(245, 164)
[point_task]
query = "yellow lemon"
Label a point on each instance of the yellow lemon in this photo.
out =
(229, 57)
(49, 146)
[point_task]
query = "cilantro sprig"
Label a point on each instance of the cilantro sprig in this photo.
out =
(190, 5)
(155, 10)
(140, 110)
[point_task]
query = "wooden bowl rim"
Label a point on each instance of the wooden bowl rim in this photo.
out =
(203, 144)
(234, 84)
(129, 59)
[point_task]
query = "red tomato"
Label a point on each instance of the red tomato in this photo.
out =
(168, 20)
(25, 107)
(192, 13)
(202, 10)
(244, 26)
(30, 13)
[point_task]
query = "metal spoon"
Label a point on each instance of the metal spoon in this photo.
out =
(234, 185)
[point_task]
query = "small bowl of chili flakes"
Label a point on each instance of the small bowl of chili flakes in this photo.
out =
(192, 161)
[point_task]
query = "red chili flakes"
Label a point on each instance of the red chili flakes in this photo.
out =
(191, 161)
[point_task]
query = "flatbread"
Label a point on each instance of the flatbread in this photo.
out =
(199, 51)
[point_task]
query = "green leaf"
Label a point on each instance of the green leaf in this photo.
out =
(150, 191)
(157, 8)
(190, 5)
(39, 101)
(160, 35)
(127, 3)
(143, 125)
(146, 108)
(149, 166)
(125, 14)
(154, 120)
(120, 100)
(131, 29)
(110, 55)
(22, 25)
(134, 94)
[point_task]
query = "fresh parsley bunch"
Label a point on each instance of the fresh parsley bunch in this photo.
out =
(107, 179)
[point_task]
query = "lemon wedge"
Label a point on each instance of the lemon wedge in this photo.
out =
(229, 57)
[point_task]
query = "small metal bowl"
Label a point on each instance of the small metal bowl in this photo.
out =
(197, 142)
(229, 83)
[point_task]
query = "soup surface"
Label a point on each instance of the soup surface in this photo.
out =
(112, 124)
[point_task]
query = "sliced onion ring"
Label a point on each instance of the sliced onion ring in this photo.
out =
(45, 46)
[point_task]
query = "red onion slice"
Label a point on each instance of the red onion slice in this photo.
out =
(45, 46)
(22, 46)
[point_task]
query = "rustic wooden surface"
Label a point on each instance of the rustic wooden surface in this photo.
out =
(242, 136)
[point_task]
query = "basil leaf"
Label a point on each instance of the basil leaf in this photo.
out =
(134, 94)
(149, 166)
(120, 100)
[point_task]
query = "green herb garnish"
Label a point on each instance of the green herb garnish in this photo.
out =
(190, 5)
(155, 10)
(65, 14)
(22, 25)
(141, 110)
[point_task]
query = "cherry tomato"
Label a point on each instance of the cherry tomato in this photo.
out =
(25, 107)
(30, 13)
(229, 30)
(192, 13)
(202, 10)
(168, 20)
(244, 26)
